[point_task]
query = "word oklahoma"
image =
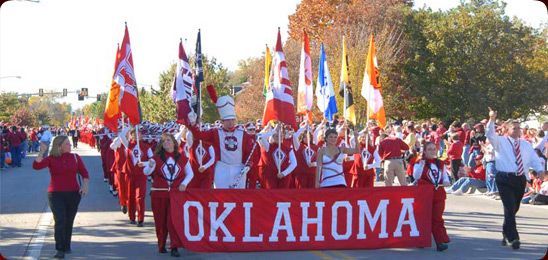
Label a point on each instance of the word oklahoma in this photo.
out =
(283, 218)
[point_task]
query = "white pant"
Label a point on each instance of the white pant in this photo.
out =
(227, 174)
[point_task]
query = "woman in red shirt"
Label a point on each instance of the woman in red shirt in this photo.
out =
(64, 191)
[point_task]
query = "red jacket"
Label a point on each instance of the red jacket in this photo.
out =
(478, 173)
(391, 147)
(455, 150)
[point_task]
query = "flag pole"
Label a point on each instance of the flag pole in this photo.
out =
(138, 146)
(279, 163)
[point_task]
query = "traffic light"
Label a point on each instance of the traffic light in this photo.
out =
(65, 92)
(98, 97)
(41, 92)
(81, 96)
(84, 92)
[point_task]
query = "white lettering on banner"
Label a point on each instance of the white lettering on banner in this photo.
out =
(200, 220)
(247, 225)
(365, 212)
(308, 221)
(217, 223)
(334, 220)
(282, 212)
(407, 210)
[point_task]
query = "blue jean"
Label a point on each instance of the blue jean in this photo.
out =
(466, 182)
(472, 159)
(15, 156)
(466, 154)
(35, 146)
(490, 172)
(442, 148)
(24, 147)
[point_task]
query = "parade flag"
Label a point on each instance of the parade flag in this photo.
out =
(112, 106)
(345, 90)
(199, 75)
(279, 98)
(371, 87)
(324, 88)
(267, 64)
(182, 88)
(124, 77)
(305, 90)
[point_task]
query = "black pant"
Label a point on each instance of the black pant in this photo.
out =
(511, 189)
(64, 206)
(75, 142)
(455, 166)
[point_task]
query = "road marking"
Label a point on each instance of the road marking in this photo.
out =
(341, 255)
(36, 243)
(322, 255)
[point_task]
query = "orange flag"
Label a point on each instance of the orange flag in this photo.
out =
(371, 87)
(112, 107)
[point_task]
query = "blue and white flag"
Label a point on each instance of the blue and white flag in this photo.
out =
(325, 92)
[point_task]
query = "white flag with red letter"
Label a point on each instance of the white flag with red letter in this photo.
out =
(182, 88)
(305, 90)
(279, 98)
(125, 78)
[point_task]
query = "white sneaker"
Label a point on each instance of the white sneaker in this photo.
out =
(458, 192)
(448, 190)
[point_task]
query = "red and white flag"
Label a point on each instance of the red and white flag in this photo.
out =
(279, 99)
(182, 88)
(305, 90)
(125, 78)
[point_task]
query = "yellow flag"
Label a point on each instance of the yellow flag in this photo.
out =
(267, 63)
(345, 90)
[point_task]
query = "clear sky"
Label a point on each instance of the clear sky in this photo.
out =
(56, 44)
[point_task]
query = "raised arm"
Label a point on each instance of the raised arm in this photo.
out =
(490, 132)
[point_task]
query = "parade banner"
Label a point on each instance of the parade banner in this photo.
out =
(306, 219)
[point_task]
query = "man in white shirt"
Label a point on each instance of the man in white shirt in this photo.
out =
(513, 158)
(46, 139)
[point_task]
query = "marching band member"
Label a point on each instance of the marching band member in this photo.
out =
(329, 170)
(365, 163)
(119, 145)
(137, 180)
(107, 158)
(430, 170)
(170, 170)
(253, 174)
(232, 147)
(278, 161)
(202, 160)
(305, 172)
(344, 140)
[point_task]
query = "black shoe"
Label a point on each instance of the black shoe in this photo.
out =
(175, 253)
(140, 224)
(441, 247)
(124, 209)
(132, 222)
(515, 244)
(59, 255)
(504, 242)
(163, 250)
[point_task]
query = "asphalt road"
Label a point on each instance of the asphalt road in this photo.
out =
(102, 232)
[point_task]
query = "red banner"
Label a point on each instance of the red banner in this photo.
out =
(309, 219)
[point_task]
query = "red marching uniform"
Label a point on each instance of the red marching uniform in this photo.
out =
(431, 172)
(370, 158)
(107, 157)
(202, 154)
(167, 175)
(268, 172)
(349, 175)
(305, 172)
(121, 177)
(253, 174)
(137, 180)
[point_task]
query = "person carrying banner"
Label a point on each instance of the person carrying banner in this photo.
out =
(119, 145)
(305, 152)
(430, 170)
(329, 170)
(170, 170)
